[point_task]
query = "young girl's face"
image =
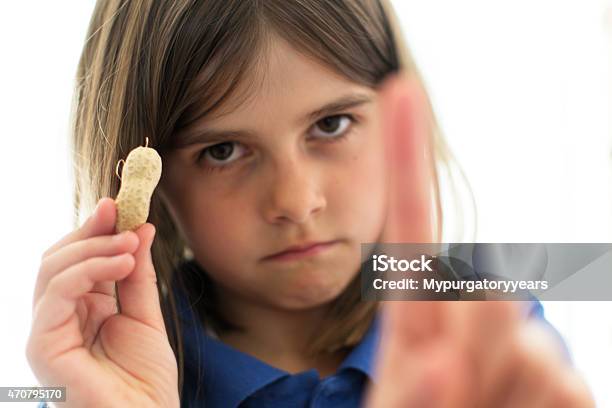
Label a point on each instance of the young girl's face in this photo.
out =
(283, 178)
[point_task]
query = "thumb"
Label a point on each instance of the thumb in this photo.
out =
(138, 293)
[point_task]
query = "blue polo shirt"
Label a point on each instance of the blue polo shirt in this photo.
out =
(218, 375)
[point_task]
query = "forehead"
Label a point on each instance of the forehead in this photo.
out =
(284, 83)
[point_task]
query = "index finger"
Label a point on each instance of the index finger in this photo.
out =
(97, 224)
(102, 222)
(406, 127)
(411, 327)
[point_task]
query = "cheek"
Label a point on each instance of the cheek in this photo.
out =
(220, 243)
(218, 227)
(215, 229)
(369, 170)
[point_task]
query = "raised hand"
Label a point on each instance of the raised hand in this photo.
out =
(80, 341)
(445, 353)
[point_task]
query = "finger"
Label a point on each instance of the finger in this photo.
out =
(426, 374)
(405, 128)
(478, 328)
(412, 323)
(101, 222)
(440, 382)
(422, 335)
(138, 293)
(59, 301)
(409, 329)
(79, 251)
(427, 380)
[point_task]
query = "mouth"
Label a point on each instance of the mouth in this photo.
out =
(301, 251)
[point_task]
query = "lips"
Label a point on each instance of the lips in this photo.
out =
(296, 251)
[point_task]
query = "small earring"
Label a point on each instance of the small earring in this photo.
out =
(187, 253)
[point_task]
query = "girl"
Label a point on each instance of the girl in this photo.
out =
(288, 138)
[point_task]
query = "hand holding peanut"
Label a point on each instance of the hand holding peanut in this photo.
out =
(78, 338)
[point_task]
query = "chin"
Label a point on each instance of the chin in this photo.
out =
(311, 295)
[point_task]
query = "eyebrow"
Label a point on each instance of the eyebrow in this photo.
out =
(206, 135)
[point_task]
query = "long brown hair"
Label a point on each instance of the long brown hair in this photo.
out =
(151, 68)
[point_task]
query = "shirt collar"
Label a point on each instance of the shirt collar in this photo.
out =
(362, 357)
(215, 373)
(221, 375)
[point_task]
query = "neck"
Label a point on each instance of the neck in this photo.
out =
(277, 336)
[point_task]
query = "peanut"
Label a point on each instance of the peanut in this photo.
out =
(139, 177)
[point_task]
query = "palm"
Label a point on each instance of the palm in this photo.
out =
(448, 354)
(109, 351)
(80, 341)
(92, 311)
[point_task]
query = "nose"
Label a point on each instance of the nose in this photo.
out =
(294, 195)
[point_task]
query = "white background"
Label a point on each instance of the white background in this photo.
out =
(522, 90)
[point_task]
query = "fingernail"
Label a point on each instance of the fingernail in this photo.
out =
(121, 235)
(97, 207)
(95, 211)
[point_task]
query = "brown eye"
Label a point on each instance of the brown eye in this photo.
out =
(221, 151)
(220, 155)
(330, 123)
(334, 127)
